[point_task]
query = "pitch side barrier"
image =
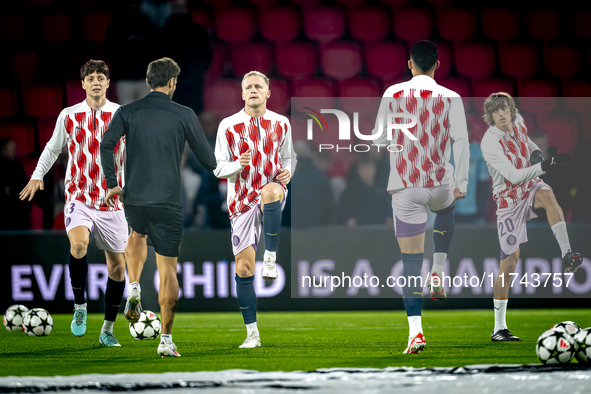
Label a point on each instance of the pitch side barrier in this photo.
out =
(34, 270)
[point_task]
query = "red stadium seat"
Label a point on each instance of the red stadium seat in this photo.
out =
(251, 56)
(43, 100)
(280, 99)
(543, 24)
(29, 164)
(324, 24)
(359, 88)
(223, 97)
(45, 128)
(26, 65)
(201, 17)
(581, 24)
(57, 27)
(386, 60)
(340, 60)
(476, 127)
(445, 59)
(562, 131)
(218, 62)
(12, 28)
(22, 133)
(8, 102)
(484, 88)
(59, 222)
(562, 60)
(475, 60)
(321, 89)
(74, 92)
(518, 60)
(235, 24)
(297, 60)
(456, 24)
(500, 23)
(368, 23)
(280, 24)
(458, 85)
(577, 96)
(95, 26)
(36, 218)
(412, 24)
(537, 96)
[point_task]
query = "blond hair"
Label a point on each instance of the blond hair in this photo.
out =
(496, 101)
(255, 74)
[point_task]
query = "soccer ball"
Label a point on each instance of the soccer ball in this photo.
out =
(37, 322)
(583, 339)
(570, 327)
(556, 347)
(147, 327)
(13, 318)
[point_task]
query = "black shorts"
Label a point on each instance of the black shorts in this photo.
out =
(163, 226)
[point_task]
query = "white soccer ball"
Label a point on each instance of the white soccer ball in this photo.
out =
(37, 322)
(147, 327)
(570, 327)
(556, 347)
(583, 339)
(13, 318)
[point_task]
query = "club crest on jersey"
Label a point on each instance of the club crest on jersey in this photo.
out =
(274, 137)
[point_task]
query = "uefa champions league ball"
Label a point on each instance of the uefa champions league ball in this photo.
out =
(583, 339)
(37, 322)
(570, 327)
(13, 318)
(556, 347)
(147, 327)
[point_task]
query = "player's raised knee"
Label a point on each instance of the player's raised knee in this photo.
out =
(78, 249)
(271, 192)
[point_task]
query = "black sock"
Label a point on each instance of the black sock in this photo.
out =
(271, 224)
(113, 296)
(78, 275)
(246, 298)
(412, 291)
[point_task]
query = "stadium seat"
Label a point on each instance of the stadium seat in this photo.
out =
(537, 96)
(476, 127)
(95, 26)
(59, 222)
(445, 59)
(56, 27)
(543, 24)
(223, 97)
(43, 100)
(22, 133)
(368, 23)
(36, 218)
(321, 89)
(456, 24)
(412, 23)
(483, 88)
(386, 60)
(518, 60)
(359, 88)
(577, 96)
(581, 24)
(74, 92)
(235, 25)
(201, 17)
(251, 56)
(297, 60)
(26, 65)
(45, 128)
(280, 24)
(562, 60)
(8, 102)
(324, 24)
(562, 131)
(218, 62)
(475, 60)
(12, 28)
(280, 99)
(492, 18)
(340, 60)
(458, 85)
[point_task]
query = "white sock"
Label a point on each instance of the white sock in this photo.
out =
(252, 327)
(270, 255)
(414, 326)
(166, 339)
(107, 326)
(438, 262)
(135, 286)
(80, 306)
(559, 230)
(500, 312)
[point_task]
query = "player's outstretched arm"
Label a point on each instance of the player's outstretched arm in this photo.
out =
(198, 143)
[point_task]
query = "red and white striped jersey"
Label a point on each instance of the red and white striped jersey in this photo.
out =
(269, 139)
(81, 128)
(507, 158)
(439, 113)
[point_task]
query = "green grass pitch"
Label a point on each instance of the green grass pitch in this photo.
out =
(292, 341)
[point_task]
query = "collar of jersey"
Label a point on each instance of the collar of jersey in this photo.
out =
(253, 117)
(160, 95)
(88, 109)
(423, 79)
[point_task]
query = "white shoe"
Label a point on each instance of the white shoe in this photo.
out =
(166, 350)
(435, 286)
(415, 344)
(269, 269)
(252, 340)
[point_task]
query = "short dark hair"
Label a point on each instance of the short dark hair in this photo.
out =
(94, 66)
(424, 54)
(160, 71)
